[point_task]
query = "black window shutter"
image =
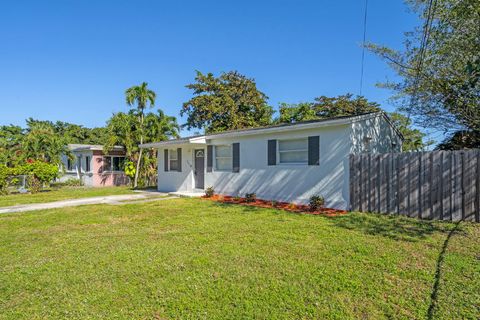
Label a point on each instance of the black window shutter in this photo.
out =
(179, 159)
(165, 160)
(314, 151)
(272, 152)
(236, 157)
(209, 158)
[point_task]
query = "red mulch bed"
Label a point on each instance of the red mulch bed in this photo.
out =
(276, 205)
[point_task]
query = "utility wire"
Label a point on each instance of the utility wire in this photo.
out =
(423, 45)
(363, 45)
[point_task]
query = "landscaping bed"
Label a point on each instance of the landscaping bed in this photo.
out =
(292, 207)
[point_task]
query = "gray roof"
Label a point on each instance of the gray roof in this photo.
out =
(282, 126)
(86, 147)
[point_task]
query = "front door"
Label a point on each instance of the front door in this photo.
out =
(199, 168)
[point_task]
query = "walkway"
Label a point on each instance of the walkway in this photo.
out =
(115, 200)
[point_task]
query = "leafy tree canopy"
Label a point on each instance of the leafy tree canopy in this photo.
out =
(230, 101)
(440, 85)
(326, 108)
(462, 139)
(73, 133)
(43, 140)
(10, 145)
(413, 139)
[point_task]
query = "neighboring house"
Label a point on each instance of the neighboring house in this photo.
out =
(93, 167)
(288, 162)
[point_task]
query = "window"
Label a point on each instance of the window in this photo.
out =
(69, 164)
(223, 158)
(173, 160)
(367, 143)
(294, 151)
(87, 164)
(113, 163)
(118, 163)
(107, 164)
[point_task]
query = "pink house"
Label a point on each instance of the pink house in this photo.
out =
(95, 168)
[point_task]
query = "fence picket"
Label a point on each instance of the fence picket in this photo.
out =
(436, 186)
(440, 185)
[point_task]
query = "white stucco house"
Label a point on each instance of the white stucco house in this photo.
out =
(288, 162)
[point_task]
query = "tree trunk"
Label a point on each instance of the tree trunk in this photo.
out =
(135, 183)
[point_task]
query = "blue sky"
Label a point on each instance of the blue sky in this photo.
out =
(72, 60)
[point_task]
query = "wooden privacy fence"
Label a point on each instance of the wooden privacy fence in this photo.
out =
(441, 185)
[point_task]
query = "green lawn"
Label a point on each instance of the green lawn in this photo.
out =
(196, 259)
(61, 194)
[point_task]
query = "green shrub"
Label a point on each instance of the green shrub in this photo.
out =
(68, 183)
(209, 192)
(316, 203)
(43, 171)
(130, 171)
(4, 174)
(40, 173)
(250, 197)
(34, 185)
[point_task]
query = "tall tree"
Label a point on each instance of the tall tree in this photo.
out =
(440, 80)
(326, 108)
(462, 139)
(142, 97)
(11, 138)
(41, 142)
(230, 101)
(73, 133)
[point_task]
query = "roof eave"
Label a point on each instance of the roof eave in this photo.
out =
(178, 142)
(304, 126)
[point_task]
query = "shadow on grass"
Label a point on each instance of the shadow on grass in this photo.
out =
(438, 270)
(252, 209)
(390, 226)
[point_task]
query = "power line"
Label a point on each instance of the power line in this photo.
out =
(363, 45)
(423, 44)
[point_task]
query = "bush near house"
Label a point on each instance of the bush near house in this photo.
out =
(40, 174)
(250, 197)
(209, 192)
(74, 182)
(316, 203)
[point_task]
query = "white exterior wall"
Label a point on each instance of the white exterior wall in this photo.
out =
(289, 182)
(383, 137)
(77, 171)
(173, 180)
(293, 182)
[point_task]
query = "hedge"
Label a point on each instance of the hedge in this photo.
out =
(40, 173)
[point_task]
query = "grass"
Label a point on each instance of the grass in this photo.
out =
(63, 193)
(197, 259)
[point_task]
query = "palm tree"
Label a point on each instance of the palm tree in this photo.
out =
(160, 127)
(142, 96)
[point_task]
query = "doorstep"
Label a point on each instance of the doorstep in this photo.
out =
(197, 193)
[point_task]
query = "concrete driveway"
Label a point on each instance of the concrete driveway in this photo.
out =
(115, 200)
